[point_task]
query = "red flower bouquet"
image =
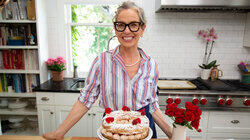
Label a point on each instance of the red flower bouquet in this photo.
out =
(189, 117)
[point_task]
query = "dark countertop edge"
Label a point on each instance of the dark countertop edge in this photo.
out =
(58, 91)
(58, 87)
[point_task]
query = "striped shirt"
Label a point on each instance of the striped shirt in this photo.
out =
(108, 79)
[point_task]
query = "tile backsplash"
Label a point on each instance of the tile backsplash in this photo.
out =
(171, 38)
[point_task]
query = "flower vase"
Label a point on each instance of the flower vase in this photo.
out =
(205, 74)
(179, 132)
(57, 76)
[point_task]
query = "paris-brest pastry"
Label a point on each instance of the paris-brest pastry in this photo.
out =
(125, 124)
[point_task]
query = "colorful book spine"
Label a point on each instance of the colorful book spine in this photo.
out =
(15, 79)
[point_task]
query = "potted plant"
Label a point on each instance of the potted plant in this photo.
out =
(205, 73)
(209, 36)
(57, 66)
(188, 117)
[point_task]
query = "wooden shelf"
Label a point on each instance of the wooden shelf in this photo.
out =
(6, 94)
(14, 71)
(18, 47)
(26, 132)
(17, 21)
(11, 112)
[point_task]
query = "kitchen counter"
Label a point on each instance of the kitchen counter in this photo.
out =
(15, 137)
(63, 86)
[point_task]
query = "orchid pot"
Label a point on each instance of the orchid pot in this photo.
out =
(205, 74)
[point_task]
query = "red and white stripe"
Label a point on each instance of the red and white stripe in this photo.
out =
(109, 82)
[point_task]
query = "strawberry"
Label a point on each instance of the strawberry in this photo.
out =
(108, 110)
(125, 108)
(142, 111)
(109, 119)
(136, 121)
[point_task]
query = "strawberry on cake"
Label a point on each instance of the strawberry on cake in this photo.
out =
(124, 124)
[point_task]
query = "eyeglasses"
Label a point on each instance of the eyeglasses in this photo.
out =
(133, 26)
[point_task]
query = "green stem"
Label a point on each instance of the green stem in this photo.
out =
(210, 52)
(204, 59)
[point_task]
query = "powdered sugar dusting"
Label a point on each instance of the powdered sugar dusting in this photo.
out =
(123, 121)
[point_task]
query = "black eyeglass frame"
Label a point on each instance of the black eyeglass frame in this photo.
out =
(115, 23)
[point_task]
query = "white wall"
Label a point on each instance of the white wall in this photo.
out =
(171, 39)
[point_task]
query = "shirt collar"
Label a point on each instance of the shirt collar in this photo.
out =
(143, 54)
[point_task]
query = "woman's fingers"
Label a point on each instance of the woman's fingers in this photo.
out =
(49, 136)
(52, 136)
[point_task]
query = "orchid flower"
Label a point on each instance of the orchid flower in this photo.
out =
(209, 36)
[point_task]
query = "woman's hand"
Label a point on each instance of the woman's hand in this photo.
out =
(52, 136)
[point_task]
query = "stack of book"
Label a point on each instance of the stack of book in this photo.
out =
(19, 10)
(19, 59)
(17, 83)
(17, 34)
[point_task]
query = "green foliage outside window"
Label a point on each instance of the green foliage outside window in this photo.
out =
(90, 40)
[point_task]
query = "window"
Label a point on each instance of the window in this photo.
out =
(90, 27)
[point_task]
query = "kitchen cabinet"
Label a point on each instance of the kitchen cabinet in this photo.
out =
(46, 119)
(53, 108)
(228, 125)
(228, 136)
(223, 125)
(87, 125)
(29, 111)
(246, 41)
(231, 122)
(81, 128)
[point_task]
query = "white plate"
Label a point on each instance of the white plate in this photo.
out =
(99, 134)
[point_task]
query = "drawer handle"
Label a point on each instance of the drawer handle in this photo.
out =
(44, 98)
(235, 121)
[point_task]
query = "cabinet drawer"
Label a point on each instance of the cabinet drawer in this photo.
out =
(68, 99)
(227, 136)
(229, 122)
(43, 98)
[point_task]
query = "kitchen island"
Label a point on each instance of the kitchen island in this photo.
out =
(14, 137)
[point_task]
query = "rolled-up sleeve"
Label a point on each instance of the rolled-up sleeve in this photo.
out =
(154, 100)
(89, 94)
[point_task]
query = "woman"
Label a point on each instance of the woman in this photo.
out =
(125, 76)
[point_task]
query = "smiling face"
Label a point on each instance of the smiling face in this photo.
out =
(127, 38)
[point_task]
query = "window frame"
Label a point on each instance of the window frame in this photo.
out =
(68, 24)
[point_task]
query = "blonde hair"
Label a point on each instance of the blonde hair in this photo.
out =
(131, 5)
